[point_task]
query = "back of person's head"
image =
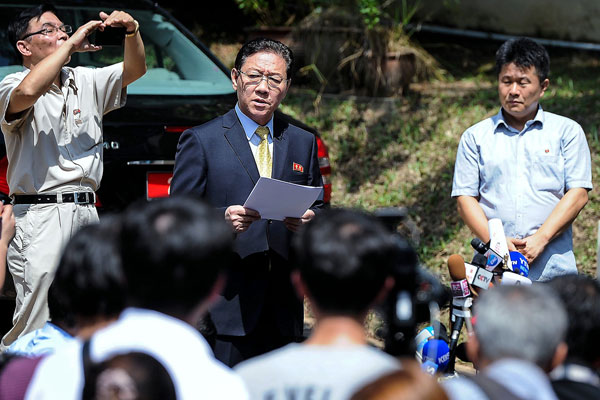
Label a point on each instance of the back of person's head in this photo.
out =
(522, 322)
(581, 297)
(524, 53)
(344, 258)
(173, 251)
(131, 376)
(89, 282)
(17, 28)
(409, 383)
(265, 45)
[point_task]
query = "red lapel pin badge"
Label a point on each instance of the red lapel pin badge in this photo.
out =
(297, 167)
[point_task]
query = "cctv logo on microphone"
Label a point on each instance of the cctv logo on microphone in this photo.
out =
(483, 278)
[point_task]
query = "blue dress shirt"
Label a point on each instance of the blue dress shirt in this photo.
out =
(520, 177)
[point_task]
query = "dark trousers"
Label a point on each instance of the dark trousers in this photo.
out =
(279, 321)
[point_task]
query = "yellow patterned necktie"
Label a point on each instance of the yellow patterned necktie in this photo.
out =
(264, 156)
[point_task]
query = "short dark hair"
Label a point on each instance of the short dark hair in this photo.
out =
(18, 26)
(268, 45)
(581, 297)
(89, 280)
(344, 257)
(524, 53)
(173, 252)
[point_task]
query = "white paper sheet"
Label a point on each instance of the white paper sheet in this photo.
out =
(275, 199)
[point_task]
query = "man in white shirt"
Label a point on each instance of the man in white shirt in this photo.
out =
(51, 118)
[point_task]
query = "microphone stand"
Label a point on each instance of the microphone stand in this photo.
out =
(461, 312)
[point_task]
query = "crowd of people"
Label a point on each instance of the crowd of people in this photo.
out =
(196, 296)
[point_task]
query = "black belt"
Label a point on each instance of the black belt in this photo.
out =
(77, 198)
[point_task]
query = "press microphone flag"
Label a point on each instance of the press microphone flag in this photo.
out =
(438, 352)
(519, 263)
(498, 249)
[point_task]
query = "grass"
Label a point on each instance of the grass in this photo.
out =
(401, 151)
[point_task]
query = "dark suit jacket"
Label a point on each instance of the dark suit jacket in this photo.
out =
(215, 161)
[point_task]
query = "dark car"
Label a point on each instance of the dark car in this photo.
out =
(185, 85)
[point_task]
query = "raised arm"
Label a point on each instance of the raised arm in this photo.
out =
(134, 59)
(47, 70)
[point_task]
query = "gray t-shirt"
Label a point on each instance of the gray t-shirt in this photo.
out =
(314, 372)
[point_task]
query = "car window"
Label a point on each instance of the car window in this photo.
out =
(176, 66)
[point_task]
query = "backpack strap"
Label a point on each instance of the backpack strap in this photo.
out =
(88, 373)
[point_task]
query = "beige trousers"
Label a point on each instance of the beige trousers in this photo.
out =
(42, 231)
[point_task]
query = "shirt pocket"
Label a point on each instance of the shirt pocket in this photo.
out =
(300, 178)
(548, 173)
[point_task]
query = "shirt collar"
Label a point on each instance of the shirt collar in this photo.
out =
(498, 120)
(66, 76)
(250, 126)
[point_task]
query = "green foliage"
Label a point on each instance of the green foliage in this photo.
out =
(371, 12)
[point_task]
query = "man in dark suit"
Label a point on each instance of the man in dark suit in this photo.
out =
(221, 161)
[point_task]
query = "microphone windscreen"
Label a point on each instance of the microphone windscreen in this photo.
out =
(456, 267)
(479, 246)
(438, 352)
(519, 263)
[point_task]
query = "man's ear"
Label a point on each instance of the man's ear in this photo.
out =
(545, 85)
(23, 48)
(234, 75)
(559, 356)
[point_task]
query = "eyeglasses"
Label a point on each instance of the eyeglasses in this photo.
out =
(255, 78)
(50, 30)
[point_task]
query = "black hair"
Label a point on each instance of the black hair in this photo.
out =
(524, 53)
(173, 251)
(344, 257)
(268, 45)
(581, 297)
(89, 280)
(17, 28)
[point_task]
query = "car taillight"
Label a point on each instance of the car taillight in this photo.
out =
(325, 167)
(176, 129)
(98, 203)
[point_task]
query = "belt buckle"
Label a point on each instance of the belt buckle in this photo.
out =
(76, 198)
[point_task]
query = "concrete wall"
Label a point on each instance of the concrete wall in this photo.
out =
(576, 20)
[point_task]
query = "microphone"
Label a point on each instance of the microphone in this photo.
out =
(490, 258)
(496, 250)
(498, 246)
(479, 246)
(437, 352)
(461, 302)
(479, 260)
(459, 284)
(510, 278)
(519, 264)
(423, 337)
